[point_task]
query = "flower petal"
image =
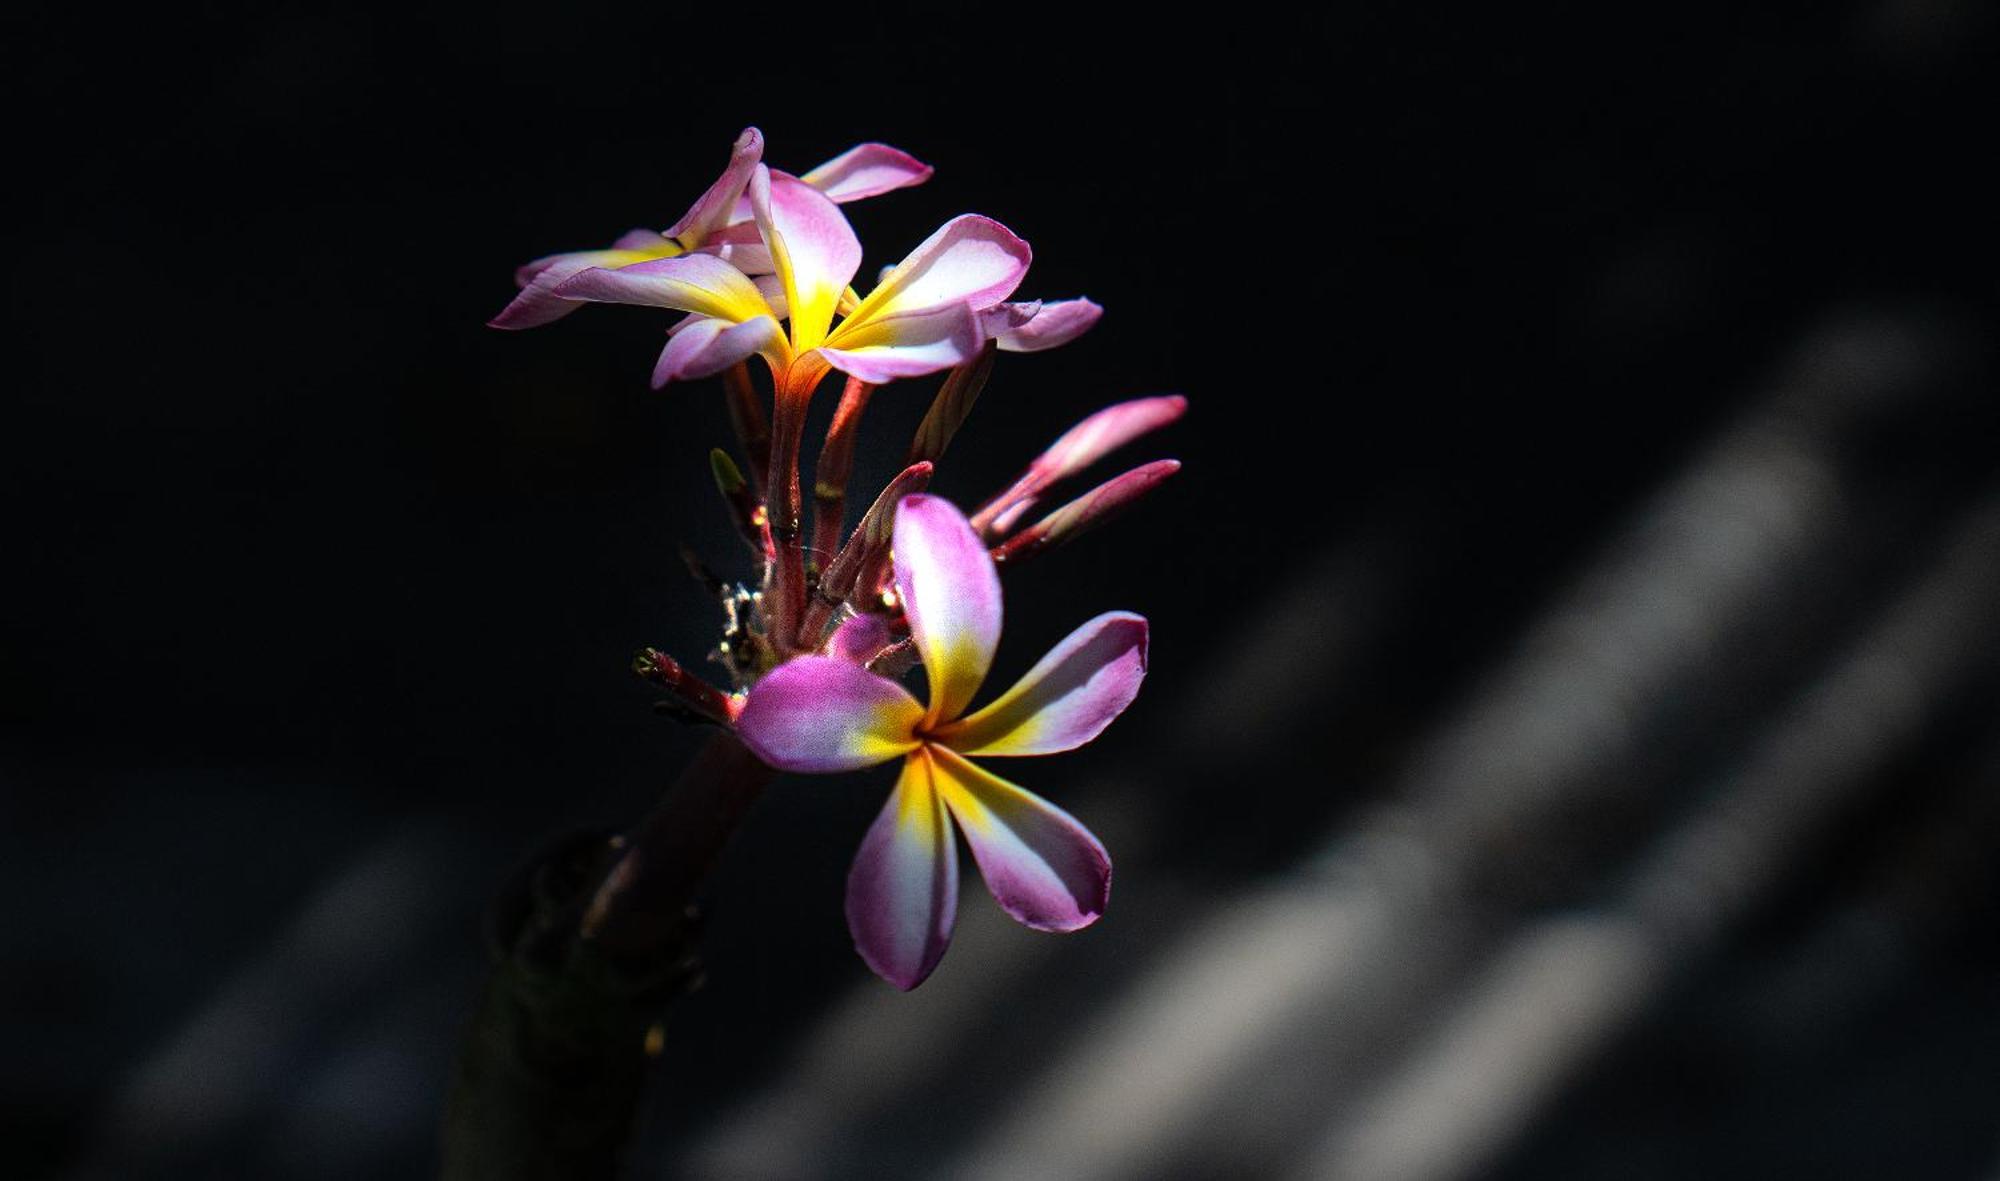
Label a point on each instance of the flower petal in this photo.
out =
(713, 209)
(741, 245)
(652, 243)
(538, 304)
(860, 638)
(707, 346)
(1053, 324)
(951, 597)
(867, 170)
(813, 249)
(884, 348)
(1005, 317)
(970, 260)
(817, 714)
(1042, 866)
(902, 894)
(1067, 699)
(691, 283)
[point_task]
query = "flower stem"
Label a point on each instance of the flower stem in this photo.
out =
(590, 944)
(788, 574)
(830, 474)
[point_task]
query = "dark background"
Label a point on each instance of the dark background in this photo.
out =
(1582, 573)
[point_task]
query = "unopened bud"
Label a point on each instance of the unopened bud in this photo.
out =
(1086, 512)
(1082, 445)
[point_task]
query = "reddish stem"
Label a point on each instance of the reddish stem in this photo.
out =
(836, 464)
(690, 692)
(786, 507)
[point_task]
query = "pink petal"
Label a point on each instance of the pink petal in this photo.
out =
(813, 250)
(538, 304)
(691, 283)
(882, 349)
(1051, 325)
(1042, 866)
(712, 210)
(741, 245)
(971, 260)
(706, 347)
(1079, 447)
(951, 597)
(902, 894)
(816, 714)
(652, 242)
(1067, 699)
(860, 638)
(867, 170)
(1005, 317)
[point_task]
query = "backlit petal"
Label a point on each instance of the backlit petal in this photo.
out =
(707, 347)
(652, 243)
(902, 893)
(1067, 699)
(867, 170)
(1041, 865)
(971, 260)
(951, 597)
(1054, 323)
(813, 250)
(818, 714)
(713, 209)
(690, 283)
(883, 349)
(538, 304)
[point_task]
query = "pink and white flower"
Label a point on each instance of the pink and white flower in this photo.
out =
(922, 317)
(865, 170)
(828, 714)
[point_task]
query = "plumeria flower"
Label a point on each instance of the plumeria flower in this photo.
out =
(923, 317)
(828, 714)
(865, 170)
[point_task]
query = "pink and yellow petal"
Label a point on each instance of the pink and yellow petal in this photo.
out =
(1067, 699)
(696, 283)
(951, 596)
(818, 714)
(538, 304)
(902, 893)
(1041, 865)
(813, 250)
(886, 348)
(971, 260)
(867, 170)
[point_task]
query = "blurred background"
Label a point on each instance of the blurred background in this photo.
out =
(1570, 745)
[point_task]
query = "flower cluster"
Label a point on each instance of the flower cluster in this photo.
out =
(761, 266)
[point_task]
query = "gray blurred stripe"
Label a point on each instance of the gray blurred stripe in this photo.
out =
(1231, 1039)
(237, 1056)
(1565, 987)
